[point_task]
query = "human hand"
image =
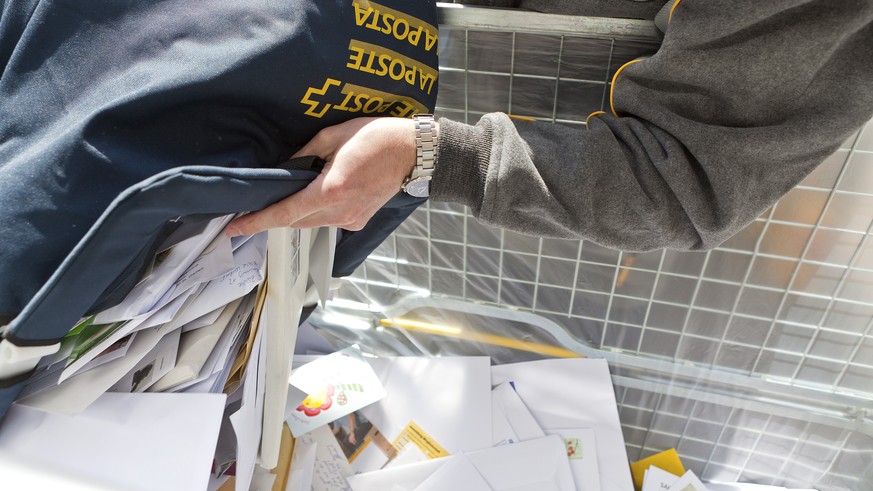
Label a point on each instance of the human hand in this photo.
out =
(367, 160)
(352, 439)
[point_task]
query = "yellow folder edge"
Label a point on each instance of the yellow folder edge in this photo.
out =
(668, 460)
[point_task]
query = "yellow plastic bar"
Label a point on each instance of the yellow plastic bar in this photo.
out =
(478, 337)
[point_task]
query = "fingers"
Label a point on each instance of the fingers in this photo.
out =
(336, 217)
(366, 161)
(284, 213)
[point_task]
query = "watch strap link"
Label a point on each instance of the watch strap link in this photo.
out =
(417, 183)
(425, 145)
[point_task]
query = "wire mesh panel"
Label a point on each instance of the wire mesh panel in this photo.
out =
(788, 301)
(724, 443)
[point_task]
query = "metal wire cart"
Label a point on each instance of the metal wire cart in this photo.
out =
(753, 360)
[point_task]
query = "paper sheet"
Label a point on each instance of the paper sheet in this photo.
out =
(197, 347)
(246, 274)
(123, 441)
(74, 395)
(247, 421)
(575, 393)
(285, 291)
(534, 465)
(688, 482)
(737, 486)
(582, 452)
(449, 398)
(459, 473)
(507, 406)
(657, 479)
(321, 261)
(302, 466)
(149, 320)
(331, 467)
(203, 321)
(153, 366)
(172, 264)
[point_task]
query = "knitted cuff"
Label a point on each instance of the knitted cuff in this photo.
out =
(462, 163)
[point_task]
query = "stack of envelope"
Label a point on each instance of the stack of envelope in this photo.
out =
(185, 380)
(459, 423)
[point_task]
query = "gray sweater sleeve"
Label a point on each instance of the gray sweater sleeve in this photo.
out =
(742, 101)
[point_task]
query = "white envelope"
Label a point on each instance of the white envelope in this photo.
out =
(574, 393)
(77, 393)
(688, 482)
(739, 486)
(321, 260)
(399, 478)
(161, 282)
(458, 473)
(507, 406)
(160, 360)
(331, 467)
(449, 398)
(583, 464)
(534, 465)
(302, 466)
(657, 479)
(248, 420)
(122, 441)
(285, 289)
(195, 347)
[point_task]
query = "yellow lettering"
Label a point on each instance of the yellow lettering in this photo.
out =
(357, 100)
(411, 106)
(343, 106)
(362, 14)
(397, 63)
(394, 23)
(389, 26)
(371, 57)
(383, 65)
(372, 105)
(402, 110)
(410, 75)
(372, 24)
(430, 40)
(307, 98)
(355, 58)
(401, 22)
(426, 80)
(390, 63)
(414, 36)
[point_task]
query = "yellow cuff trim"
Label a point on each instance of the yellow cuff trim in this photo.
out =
(595, 113)
(612, 86)
(672, 9)
(521, 118)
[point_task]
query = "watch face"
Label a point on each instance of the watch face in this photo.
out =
(418, 187)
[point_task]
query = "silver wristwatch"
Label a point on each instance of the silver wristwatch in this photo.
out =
(418, 182)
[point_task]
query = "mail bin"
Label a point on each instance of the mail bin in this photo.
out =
(754, 360)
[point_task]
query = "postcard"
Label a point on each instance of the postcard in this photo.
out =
(330, 388)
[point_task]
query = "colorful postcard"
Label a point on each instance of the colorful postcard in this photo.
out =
(330, 388)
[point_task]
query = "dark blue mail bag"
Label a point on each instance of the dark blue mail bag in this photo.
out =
(118, 119)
